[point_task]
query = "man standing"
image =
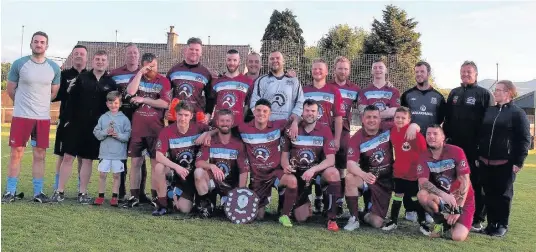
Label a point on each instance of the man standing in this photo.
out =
(33, 81)
(233, 89)
(427, 107)
(381, 95)
(191, 81)
(465, 109)
(284, 93)
(220, 167)
(122, 76)
(87, 102)
(370, 168)
(445, 187)
(349, 94)
(330, 110)
(68, 77)
(151, 94)
(312, 158)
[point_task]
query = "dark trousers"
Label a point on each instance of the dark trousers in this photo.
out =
(498, 184)
(476, 182)
(122, 187)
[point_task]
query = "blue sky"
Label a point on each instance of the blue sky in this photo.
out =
(486, 32)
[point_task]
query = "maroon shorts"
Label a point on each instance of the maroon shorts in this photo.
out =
(138, 144)
(263, 188)
(340, 156)
(380, 199)
(468, 210)
(23, 128)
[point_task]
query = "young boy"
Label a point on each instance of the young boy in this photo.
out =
(113, 130)
(404, 168)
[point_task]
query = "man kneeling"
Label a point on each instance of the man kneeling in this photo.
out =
(221, 167)
(176, 153)
(303, 156)
(445, 187)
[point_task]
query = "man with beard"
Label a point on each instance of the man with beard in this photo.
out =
(220, 167)
(191, 81)
(380, 94)
(445, 187)
(427, 107)
(312, 158)
(370, 169)
(176, 154)
(263, 146)
(349, 94)
(330, 111)
(68, 77)
(33, 81)
(233, 89)
(87, 102)
(151, 94)
(122, 76)
(466, 105)
(284, 93)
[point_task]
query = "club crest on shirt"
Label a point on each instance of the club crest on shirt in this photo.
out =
(229, 100)
(377, 158)
(185, 90)
(406, 146)
(185, 158)
(279, 99)
(261, 153)
(434, 100)
(455, 99)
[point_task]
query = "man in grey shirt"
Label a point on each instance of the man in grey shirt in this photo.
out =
(284, 92)
(33, 82)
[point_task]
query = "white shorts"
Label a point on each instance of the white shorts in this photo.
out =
(116, 166)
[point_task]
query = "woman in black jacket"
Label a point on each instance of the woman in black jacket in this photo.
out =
(504, 140)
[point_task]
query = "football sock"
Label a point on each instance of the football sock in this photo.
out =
(38, 185)
(12, 184)
(395, 208)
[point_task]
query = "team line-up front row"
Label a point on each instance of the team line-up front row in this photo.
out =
(296, 137)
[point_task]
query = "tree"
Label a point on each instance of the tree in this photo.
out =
(5, 70)
(396, 35)
(342, 40)
(283, 33)
(311, 52)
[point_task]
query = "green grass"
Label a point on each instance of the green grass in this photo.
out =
(69, 226)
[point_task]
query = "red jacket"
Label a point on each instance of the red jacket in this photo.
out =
(406, 153)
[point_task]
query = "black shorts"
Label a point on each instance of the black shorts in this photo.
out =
(80, 141)
(184, 188)
(305, 190)
(58, 143)
(341, 155)
(407, 187)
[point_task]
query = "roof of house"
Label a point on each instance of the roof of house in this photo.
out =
(527, 100)
(213, 56)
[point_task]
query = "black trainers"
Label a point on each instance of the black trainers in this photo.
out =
(144, 199)
(131, 202)
(9, 197)
(391, 225)
(490, 228)
(57, 197)
(477, 227)
(41, 198)
(84, 199)
(154, 203)
(500, 231)
(425, 229)
(205, 209)
(317, 206)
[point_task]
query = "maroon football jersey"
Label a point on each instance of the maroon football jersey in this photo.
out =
(231, 158)
(383, 98)
(374, 154)
(349, 94)
(263, 147)
(180, 148)
(309, 148)
(147, 120)
(330, 102)
(190, 83)
(443, 172)
(232, 93)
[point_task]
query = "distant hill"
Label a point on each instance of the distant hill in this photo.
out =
(522, 87)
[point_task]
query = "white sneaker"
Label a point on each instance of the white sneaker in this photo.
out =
(391, 225)
(352, 225)
(411, 216)
(429, 218)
